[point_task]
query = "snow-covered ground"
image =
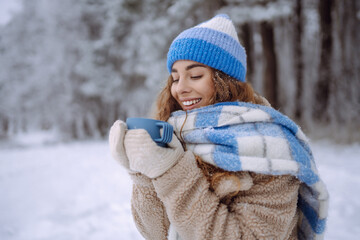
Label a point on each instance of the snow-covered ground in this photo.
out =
(76, 191)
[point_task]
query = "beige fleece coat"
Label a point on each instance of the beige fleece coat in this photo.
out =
(265, 209)
(182, 197)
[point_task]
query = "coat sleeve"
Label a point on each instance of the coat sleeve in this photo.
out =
(266, 211)
(148, 211)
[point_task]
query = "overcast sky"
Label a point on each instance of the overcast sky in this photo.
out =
(7, 8)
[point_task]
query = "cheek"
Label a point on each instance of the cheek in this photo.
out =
(210, 89)
(173, 92)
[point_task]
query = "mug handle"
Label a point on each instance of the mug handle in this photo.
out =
(167, 132)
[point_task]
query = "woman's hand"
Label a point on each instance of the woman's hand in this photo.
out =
(116, 141)
(147, 157)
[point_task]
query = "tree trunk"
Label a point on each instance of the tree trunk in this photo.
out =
(346, 81)
(298, 59)
(4, 123)
(270, 66)
(246, 36)
(322, 87)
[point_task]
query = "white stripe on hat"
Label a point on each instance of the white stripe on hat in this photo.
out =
(221, 23)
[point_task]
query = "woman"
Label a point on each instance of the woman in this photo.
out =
(235, 168)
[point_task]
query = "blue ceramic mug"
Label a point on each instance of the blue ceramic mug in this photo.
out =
(153, 127)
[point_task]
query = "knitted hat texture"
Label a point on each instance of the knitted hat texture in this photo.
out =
(214, 43)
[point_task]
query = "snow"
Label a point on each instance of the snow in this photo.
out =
(77, 191)
(7, 9)
(270, 11)
(339, 166)
(69, 191)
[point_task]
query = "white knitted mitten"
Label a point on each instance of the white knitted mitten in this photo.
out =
(116, 141)
(147, 157)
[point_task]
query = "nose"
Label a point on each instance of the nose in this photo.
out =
(183, 86)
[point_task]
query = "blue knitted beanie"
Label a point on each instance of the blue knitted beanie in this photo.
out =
(214, 43)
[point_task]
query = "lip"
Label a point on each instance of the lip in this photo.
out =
(189, 99)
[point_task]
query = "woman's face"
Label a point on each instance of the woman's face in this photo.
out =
(193, 84)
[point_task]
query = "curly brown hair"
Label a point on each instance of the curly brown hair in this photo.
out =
(227, 89)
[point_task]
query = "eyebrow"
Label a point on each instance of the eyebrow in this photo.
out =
(190, 67)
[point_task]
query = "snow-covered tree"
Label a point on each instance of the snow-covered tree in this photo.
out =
(76, 66)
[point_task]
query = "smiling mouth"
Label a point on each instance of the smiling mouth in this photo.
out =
(191, 102)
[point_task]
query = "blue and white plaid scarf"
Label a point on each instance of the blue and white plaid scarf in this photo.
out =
(239, 136)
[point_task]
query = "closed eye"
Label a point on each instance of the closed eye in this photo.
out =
(175, 78)
(196, 77)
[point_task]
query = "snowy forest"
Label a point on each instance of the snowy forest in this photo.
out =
(74, 67)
